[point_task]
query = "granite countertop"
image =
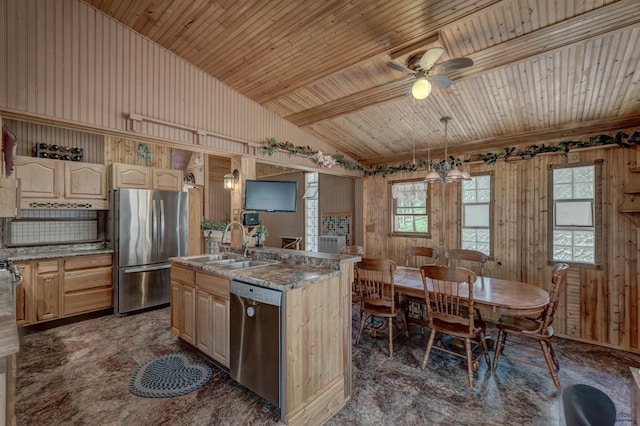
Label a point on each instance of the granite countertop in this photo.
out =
(22, 254)
(9, 342)
(284, 270)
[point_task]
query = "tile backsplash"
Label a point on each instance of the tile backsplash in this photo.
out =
(54, 227)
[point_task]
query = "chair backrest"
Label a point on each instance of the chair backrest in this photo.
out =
(451, 295)
(468, 255)
(374, 278)
(352, 250)
(558, 282)
(418, 256)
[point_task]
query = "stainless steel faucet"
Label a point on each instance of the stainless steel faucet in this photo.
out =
(245, 241)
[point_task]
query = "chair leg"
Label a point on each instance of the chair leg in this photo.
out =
(502, 338)
(547, 356)
(467, 349)
(390, 325)
(485, 348)
(363, 318)
(404, 322)
(555, 359)
(432, 337)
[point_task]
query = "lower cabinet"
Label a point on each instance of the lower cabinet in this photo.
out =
(56, 288)
(183, 303)
(204, 306)
(47, 290)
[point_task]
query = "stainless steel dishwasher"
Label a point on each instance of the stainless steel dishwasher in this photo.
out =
(255, 342)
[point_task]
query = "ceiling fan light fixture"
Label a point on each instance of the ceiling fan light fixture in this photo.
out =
(421, 88)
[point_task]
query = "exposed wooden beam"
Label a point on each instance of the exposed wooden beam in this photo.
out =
(581, 28)
(558, 133)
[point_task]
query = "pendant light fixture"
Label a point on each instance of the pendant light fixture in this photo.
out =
(447, 172)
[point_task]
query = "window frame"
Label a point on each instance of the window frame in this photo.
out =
(598, 254)
(392, 210)
(492, 202)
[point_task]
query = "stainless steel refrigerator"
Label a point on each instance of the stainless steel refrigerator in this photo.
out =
(147, 227)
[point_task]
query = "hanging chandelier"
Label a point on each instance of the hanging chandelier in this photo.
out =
(445, 171)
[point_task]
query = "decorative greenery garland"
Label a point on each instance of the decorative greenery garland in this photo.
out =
(621, 139)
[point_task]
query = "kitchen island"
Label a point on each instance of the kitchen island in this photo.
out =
(315, 321)
(9, 345)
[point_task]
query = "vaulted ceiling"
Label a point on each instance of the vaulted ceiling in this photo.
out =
(543, 70)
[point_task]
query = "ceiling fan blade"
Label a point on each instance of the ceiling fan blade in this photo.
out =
(430, 57)
(396, 66)
(440, 80)
(394, 83)
(453, 64)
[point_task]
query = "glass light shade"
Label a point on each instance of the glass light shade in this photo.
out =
(421, 88)
(465, 175)
(454, 175)
(433, 177)
(229, 181)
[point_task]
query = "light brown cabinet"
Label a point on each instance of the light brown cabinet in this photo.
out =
(56, 184)
(24, 294)
(141, 177)
(212, 316)
(47, 290)
(183, 303)
(64, 287)
(88, 283)
(200, 311)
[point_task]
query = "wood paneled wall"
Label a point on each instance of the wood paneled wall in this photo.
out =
(122, 150)
(599, 305)
(63, 61)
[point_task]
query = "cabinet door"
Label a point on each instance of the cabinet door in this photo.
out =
(24, 296)
(221, 330)
(47, 290)
(204, 322)
(189, 317)
(167, 179)
(130, 176)
(40, 178)
(177, 314)
(85, 181)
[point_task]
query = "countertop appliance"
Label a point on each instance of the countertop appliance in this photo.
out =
(257, 340)
(147, 227)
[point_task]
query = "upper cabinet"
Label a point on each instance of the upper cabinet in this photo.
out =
(133, 176)
(56, 184)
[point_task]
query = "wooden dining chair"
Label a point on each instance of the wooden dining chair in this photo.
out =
(450, 311)
(466, 255)
(358, 250)
(417, 256)
(375, 283)
(539, 328)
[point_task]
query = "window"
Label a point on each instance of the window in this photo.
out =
(409, 208)
(575, 211)
(311, 209)
(476, 214)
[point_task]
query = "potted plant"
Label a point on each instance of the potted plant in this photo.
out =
(261, 233)
(212, 231)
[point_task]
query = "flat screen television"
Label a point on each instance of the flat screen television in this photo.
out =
(270, 195)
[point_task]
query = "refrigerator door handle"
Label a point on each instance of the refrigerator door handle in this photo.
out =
(161, 229)
(154, 229)
(147, 268)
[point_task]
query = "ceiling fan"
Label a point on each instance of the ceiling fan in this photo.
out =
(422, 67)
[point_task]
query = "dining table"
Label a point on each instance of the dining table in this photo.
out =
(494, 294)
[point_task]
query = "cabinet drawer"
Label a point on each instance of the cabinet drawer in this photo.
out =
(183, 275)
(45, 266)
(88, 278)
(87, 262)
(88, 300)
(213, 284)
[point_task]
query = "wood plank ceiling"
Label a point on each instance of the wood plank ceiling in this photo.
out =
(544, 70)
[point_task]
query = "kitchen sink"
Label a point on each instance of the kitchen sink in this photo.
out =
(244, 264)
(213, 258)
